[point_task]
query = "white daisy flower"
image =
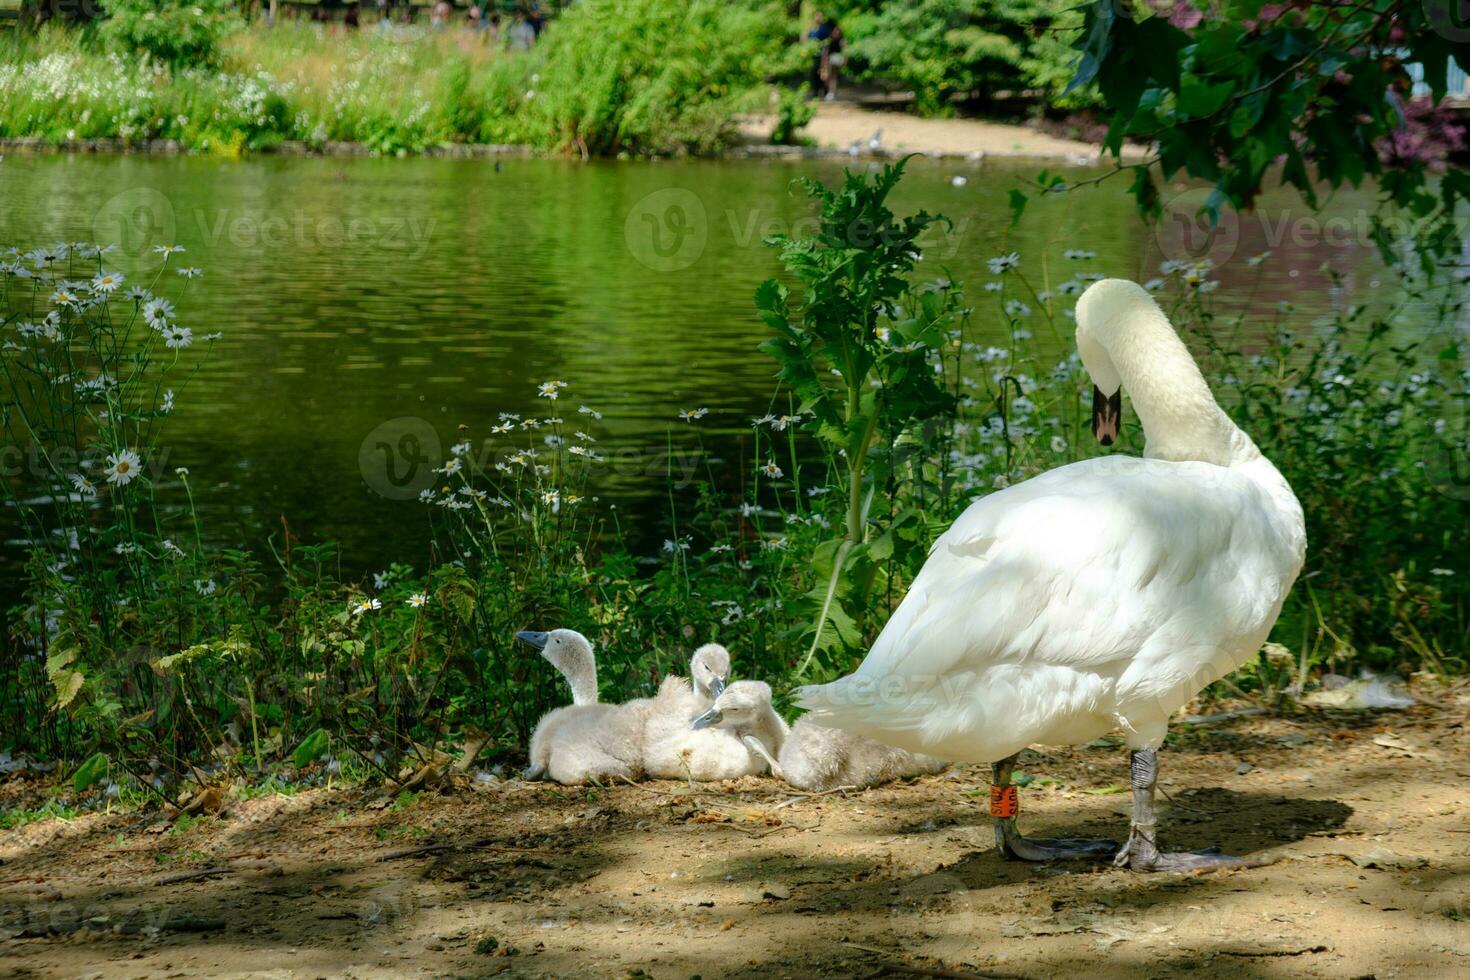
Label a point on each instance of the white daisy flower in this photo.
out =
(107, 282)
(122, 467)
(205, 586)
(772, 470)
(167, 250)
(366, 605)
(685, 415)
(157, 313)
(418, 600)
(177, 338)
(584, 410)
(550, 389)
(191, 272)
(460, 448)
(1058, 444)
(84, 486)
(1001, 263)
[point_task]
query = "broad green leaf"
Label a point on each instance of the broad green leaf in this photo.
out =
(90, 772)
(68, 684)
(312, 747)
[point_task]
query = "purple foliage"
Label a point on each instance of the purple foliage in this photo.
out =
(1431, 134)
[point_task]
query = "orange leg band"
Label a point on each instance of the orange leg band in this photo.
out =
(1004, 801)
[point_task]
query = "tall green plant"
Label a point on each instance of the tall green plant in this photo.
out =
(862, 322)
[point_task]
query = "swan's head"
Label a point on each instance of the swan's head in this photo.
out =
(740, 706)
(1104, 312)
(709, 669)
(566, 650)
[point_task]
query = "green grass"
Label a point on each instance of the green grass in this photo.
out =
(651, 76)
(50, 810)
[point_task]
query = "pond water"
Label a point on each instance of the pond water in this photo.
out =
(371, 306)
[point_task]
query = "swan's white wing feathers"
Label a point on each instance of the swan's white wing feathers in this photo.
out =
(1041, 604)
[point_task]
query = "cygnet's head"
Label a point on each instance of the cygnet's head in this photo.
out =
(709, 669)
(566, 650)
(740, 706)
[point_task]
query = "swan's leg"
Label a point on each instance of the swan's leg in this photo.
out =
(759, 748)
(1014, 847)
(1141, 853)
(534, 773)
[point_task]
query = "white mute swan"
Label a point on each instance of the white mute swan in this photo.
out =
(584, 741)
(809, 756)
(1099, 595)
(745, 709)
(671, 750)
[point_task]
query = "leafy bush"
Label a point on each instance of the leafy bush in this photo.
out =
(653, 76)
(180, 33)
(794, 109)
(943, 49)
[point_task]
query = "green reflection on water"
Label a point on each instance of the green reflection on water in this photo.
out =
(357, 292)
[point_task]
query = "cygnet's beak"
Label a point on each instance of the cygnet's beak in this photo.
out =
(533, 638)
(716, 687)
(711, 717)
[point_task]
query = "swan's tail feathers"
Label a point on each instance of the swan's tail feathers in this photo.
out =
(894, 710)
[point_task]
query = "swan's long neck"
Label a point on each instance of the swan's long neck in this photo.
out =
(771, 729)
(1180, 417)
(581, 676)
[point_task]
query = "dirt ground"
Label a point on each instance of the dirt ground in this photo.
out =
(1367, 812)
(840, 125)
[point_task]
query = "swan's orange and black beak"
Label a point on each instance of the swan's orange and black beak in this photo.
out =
(1107, 415)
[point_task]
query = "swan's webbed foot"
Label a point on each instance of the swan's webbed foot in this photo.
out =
(1014, 847)
(1141, 853)
(532, 774)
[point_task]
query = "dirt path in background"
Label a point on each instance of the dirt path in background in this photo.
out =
(739, 881)
(840, 125)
